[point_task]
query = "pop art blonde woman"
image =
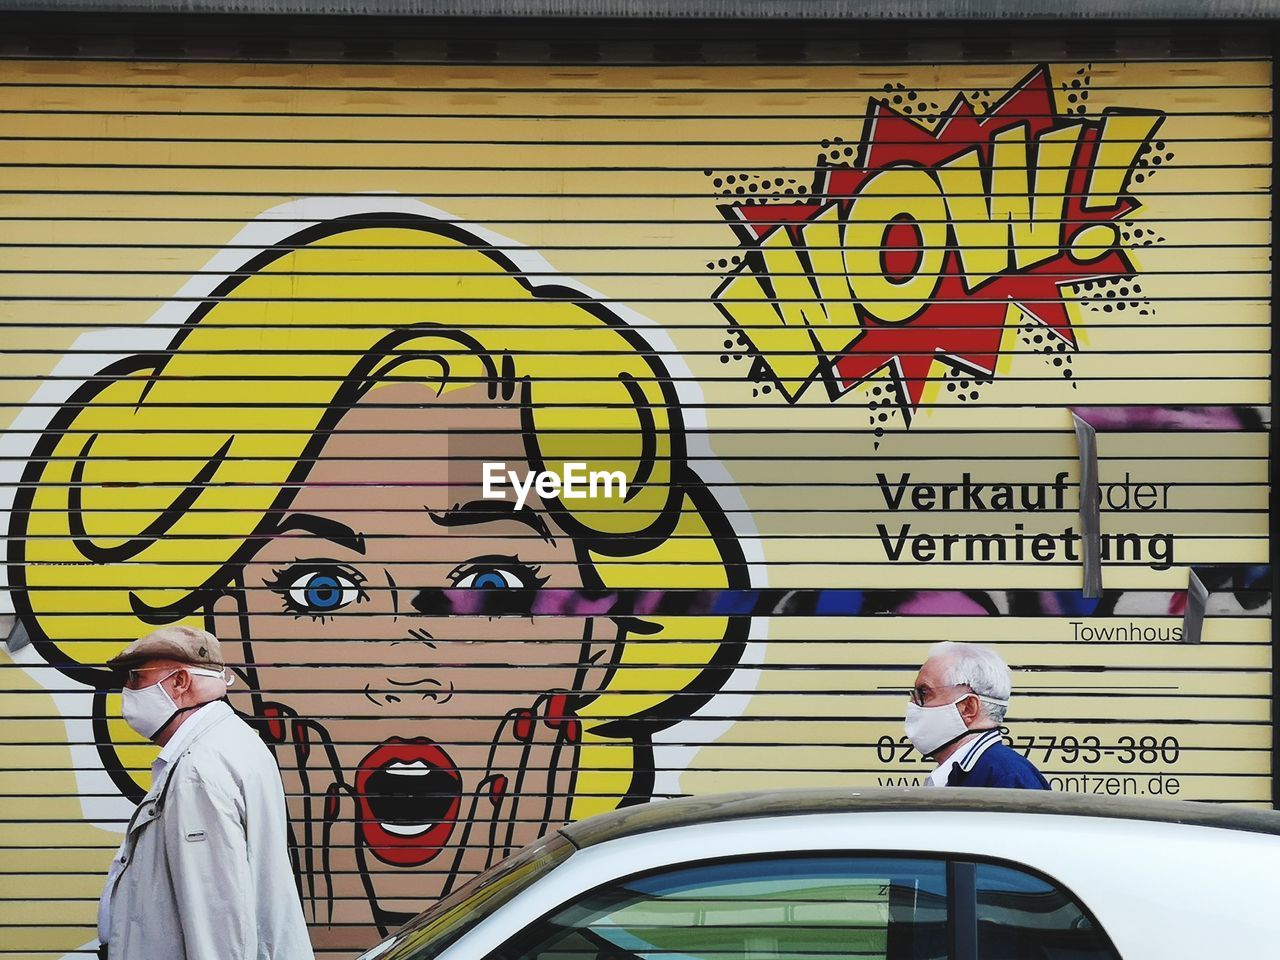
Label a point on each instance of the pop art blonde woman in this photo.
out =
(443, 677)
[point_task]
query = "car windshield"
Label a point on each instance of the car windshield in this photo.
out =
(430, 932)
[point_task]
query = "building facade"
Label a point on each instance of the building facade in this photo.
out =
(549, 414)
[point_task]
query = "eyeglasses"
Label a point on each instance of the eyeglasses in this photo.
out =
(134, 677)
(920, 695)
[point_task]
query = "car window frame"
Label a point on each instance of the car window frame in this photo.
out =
(554, 847)
(504, 952)
(961, 892)
(1084, 908)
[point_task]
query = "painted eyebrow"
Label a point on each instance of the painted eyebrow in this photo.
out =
(325, 527)
(489, 511)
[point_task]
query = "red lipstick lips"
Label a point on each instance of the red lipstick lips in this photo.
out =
(409, 793)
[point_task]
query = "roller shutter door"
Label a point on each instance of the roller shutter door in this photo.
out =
(822, 344)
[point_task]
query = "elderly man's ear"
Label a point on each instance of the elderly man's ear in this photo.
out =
(181, 686)
(971, 711)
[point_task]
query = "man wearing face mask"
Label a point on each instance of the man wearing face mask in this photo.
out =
(957, 705)
(203, 872)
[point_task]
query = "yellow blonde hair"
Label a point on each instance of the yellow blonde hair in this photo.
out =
(157, 479)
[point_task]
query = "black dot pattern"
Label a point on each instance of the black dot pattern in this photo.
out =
(884, 408)
(1153, 155)
(1053, 350)
(962, 384)
(981, 100)
(1115, 295)
(910, 103)
(837, 152)
(724, 263)
(1076, 91)
(753, 188)
(735, 345)
(761, 375)
(1136, 235)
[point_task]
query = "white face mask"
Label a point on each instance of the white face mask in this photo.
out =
(150, 709)
(931, 728)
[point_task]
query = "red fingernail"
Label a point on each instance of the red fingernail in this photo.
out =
(331, 802)
(523, 726)
(300, 740)
(556, 711)
(573, 730)
(497, 789)
(274, 725)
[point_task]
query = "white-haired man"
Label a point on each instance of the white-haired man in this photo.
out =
(958, 702)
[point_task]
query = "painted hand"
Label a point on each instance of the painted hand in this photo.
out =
(528, 788)
(322, 818)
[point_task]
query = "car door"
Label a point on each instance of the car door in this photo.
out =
(823, 906)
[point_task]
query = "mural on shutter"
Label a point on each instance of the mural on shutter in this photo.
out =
(542, 440)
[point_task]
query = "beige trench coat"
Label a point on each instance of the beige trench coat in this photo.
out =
(206, 872)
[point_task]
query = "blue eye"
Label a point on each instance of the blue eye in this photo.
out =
(496, 573)
(510, 584)
(312, 589)
(323, 592)
(490, 578)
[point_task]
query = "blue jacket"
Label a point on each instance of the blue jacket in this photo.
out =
(998, 766)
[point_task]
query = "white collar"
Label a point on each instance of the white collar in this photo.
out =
(966, 757)
(199, 719)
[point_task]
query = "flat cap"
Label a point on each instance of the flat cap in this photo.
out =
(184, 644)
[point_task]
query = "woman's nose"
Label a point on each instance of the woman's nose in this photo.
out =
(411, 672)
(417, 689)
(409, 685)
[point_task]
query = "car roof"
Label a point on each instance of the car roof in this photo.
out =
(730, 807)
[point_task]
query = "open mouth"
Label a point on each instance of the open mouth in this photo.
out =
(409, 793)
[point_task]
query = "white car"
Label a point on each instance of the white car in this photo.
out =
(889, 874)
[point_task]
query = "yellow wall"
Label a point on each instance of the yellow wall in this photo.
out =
(132, 189)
